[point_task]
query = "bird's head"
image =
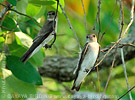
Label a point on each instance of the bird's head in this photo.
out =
(51, 15)
(91, 38)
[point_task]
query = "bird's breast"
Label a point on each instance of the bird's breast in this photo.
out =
(91, 56)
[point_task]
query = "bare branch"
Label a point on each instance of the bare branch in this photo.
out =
(98, 19)
(125, 72)
(109, 22)
(131, 19)
(120, 37)
(70, 26)
(26, 16)
(85, 19)
(126, 93)
(109, 77)
(3, 13)
(98, 11)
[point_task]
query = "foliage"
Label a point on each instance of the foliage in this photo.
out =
(24, 78)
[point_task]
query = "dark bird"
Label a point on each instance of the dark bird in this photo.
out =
(87, 60)
(46, 34)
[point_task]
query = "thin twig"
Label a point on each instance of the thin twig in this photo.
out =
(130, 23)
(84, 18)
(98, 11)
(6, 28)
(98, 19)
(121, 18)
(70, 26)
(109, 22)
(121, 50)
(131, 19)
(120, 46)
(22, 14)
(110, 73)
(12, 30)
(120, 37)
(26, 16)
(99, 27)
(126, 93)
(98, 77)
(4, 13)
(108, 52)
(125, 73)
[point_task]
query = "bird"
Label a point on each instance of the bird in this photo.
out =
(45, 35)
(86, 60)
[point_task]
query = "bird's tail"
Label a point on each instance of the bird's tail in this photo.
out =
(26, 56)
(29, 53)
(78, 80)
(77, 88)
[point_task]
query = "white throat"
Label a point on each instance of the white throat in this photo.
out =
(52, 19)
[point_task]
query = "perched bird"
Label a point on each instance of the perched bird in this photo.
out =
(87, 60)
(46, 34)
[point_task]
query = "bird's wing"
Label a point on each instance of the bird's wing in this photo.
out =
(84, 52)
(45, 31)
(97, 57)
(43, 34)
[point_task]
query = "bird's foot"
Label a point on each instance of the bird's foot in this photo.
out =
(48, 46)
(86, 70)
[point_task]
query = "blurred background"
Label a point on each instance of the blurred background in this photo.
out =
(20, 39)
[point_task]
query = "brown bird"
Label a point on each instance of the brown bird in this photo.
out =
(87, 60)
(45, 35)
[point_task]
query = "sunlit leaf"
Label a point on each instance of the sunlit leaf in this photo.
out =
(2, 39)
(4, 90)
(62, 3)
(40, 13)
(32, 10)
(20, 87)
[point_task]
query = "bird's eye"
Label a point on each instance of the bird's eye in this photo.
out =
(53, 13)
(94, 36)
(87, 36)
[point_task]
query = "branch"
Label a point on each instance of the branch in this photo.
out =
(70, 26)
(62, 68)
(98, 19)
(26, 16)
(126, 92)
(125, 72)
(85, 19)
(109, 22)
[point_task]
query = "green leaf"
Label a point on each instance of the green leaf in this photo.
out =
(32, 10)
(25, 72)
(21, 7)
(20, 87)
(25, 40)
(29, 27)
(9, 23)
(13, 2)
(41, 2)
(40, 13)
